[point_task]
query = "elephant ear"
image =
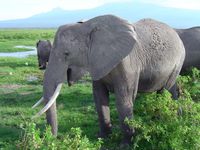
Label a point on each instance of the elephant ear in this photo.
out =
(111, 41)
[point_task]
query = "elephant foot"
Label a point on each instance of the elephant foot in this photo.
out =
(104, 133)
(128, 134)
(125, 143)
(124, 146)
(126, 140)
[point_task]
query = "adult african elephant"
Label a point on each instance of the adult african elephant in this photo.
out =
(43, 53)
(121, 58)
(191, 41)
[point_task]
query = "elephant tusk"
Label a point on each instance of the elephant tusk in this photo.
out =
(51, 101)
(38, 103)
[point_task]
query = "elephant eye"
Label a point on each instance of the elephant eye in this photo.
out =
(66, 53)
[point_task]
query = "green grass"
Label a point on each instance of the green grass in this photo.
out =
(75, 104)
(76, 107)
(9, 38)
(18, 95)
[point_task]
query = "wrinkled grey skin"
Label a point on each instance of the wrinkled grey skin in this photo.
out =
(146, 56)
(191, 41)
(43, 53)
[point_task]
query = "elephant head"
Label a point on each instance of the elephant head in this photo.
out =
(95, 46)
(43, 53)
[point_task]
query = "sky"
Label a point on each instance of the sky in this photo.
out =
(18, 9)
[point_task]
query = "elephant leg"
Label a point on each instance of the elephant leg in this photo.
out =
(175, 95)
(125, 96)
(51, 117)
(171, 83)
(174, 91)
(101, 98)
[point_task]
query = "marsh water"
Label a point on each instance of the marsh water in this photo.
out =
(31, 51)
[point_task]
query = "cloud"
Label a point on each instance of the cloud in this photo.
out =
(182, 4)
(16, 9)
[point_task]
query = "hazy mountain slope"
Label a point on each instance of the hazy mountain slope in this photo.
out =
(178, 18)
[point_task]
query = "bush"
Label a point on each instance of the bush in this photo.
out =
(191, 83)
(159, 126)
(33, 140)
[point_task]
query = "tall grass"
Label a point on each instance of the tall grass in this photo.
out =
(9, 38)
(33, 34)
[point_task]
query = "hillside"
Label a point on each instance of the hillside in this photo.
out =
(132, 11)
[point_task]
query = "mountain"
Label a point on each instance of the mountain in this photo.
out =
(133, 11)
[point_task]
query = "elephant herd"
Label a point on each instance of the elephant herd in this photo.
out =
(121, 58)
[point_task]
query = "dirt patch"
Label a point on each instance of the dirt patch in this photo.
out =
(11, 86)
(25, 93)
(32, 78)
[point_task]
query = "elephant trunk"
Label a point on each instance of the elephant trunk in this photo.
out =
(51, 117)
(50, 109)
(51, 88)
(51, 91)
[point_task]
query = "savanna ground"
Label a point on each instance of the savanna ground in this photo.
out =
(158, 123)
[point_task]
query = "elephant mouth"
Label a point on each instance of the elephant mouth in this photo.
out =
(69, 73)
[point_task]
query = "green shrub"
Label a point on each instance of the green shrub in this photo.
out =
(33, 140)
(191, 83)
(159, 126)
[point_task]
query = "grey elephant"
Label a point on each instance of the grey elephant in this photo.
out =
(43, 53)
(121, 58)
(191, 41)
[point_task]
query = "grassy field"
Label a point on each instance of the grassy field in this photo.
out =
(9, 38)
(156, 120)
(19, 93)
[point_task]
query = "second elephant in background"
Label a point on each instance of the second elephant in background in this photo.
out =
(43, 53)
(191, 41)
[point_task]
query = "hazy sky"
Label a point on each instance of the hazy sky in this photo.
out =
(15, 9)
